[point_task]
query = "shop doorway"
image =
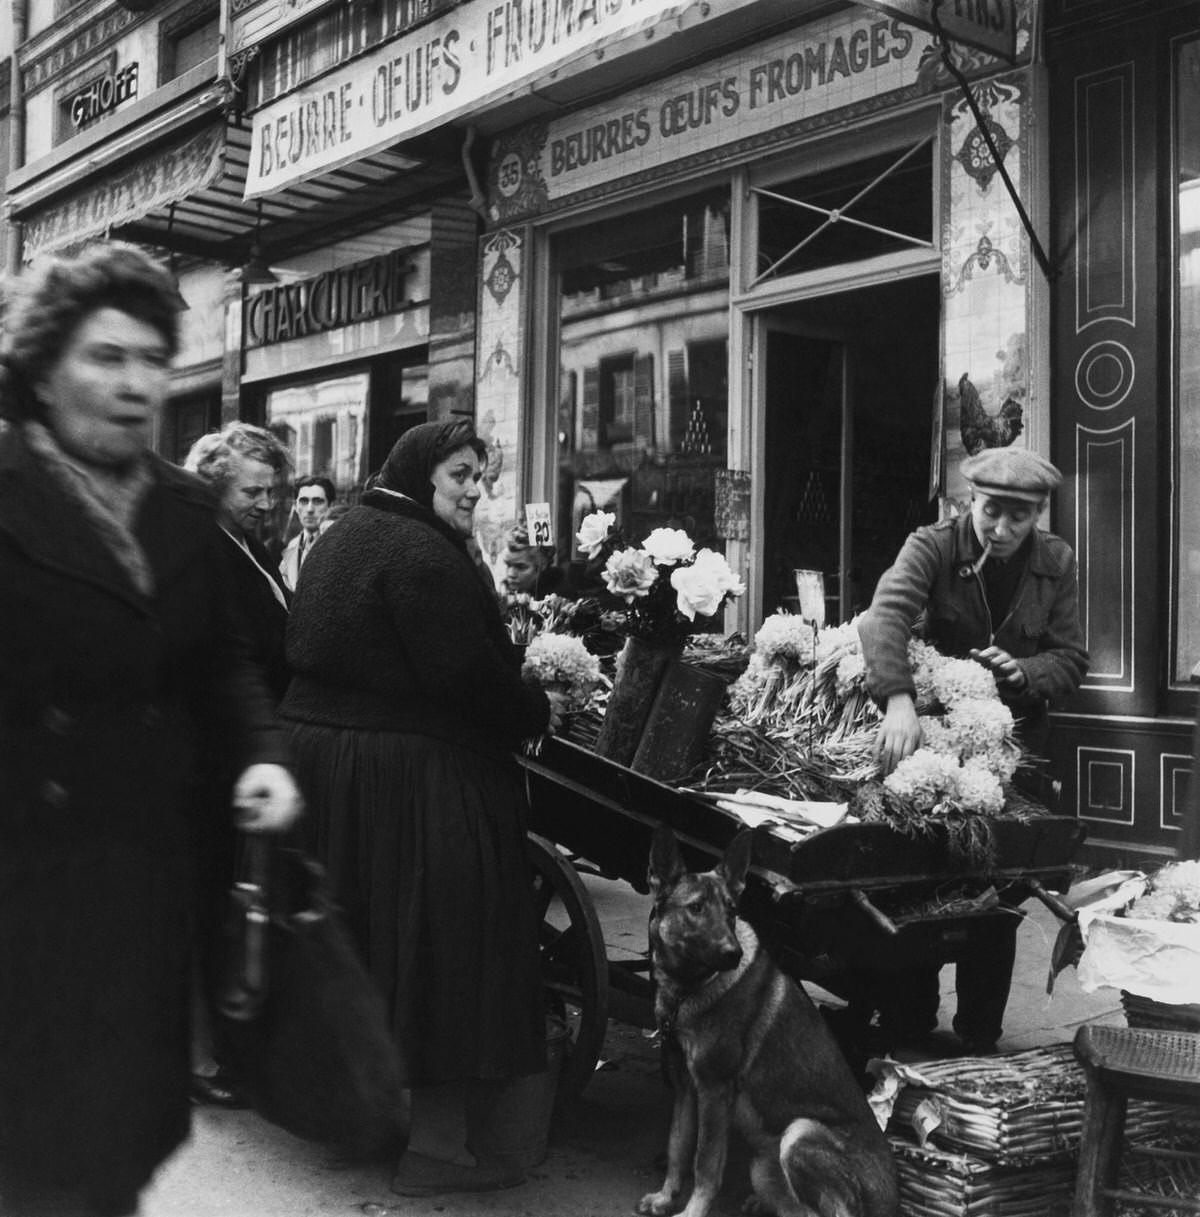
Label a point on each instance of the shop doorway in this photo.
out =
(847, 385)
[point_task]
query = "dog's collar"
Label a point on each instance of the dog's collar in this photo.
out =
(667, 1024)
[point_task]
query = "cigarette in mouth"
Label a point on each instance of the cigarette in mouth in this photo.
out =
(983, 557)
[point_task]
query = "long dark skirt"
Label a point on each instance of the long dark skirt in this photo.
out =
(424, 842)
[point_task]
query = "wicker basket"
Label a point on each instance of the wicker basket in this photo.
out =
(1009, 1108)
(1157, 1015)
(940, 1183)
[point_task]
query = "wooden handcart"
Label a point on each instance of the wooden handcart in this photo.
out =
(850, 896)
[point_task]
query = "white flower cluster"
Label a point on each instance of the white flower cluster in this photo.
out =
(785, 637)
(976, 728)
(934, 781)
(1174, 895)
(943, 680)
(837, 638)
(561, 662)
(969, 753)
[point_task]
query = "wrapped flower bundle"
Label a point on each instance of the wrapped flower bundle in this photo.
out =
(665, 584)
(1140, 934)
(526, 618)
(1173, 894)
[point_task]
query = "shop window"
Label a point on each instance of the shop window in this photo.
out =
(187, 38)
(322, 422)
(1186, 506)
(643, 305)
(846, 213)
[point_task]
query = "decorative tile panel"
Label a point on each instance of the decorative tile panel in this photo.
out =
(985, 263)
(499, 357)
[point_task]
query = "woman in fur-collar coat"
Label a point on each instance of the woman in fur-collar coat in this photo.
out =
(116, 650)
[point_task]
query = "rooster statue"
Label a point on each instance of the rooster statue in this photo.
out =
(983, 430)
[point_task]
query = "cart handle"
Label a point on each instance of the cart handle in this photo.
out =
(1062, 911)
(877, 915)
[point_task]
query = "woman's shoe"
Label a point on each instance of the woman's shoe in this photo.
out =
(418, 1175)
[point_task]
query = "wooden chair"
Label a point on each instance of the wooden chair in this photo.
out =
(1123, 1063)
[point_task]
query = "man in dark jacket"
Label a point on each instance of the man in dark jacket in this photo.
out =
(991, 586)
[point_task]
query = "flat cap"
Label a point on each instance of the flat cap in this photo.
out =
(1011, 473)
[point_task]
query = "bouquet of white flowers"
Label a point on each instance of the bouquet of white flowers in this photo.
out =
(665, 584)
(562, 664)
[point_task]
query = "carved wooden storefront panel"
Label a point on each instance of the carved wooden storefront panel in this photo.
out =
(1104, 546)
(1104, 197)
(1121, 746)
(1106, 379)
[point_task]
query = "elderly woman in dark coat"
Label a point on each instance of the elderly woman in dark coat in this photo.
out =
(116, 648)
(406, 702)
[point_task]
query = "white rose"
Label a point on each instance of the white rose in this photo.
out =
(630, 573)
(714, 562)
(703, 586)
(593, 531)
(697, 592)
(669, 546)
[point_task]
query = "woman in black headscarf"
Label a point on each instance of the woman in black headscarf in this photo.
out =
(405, 706)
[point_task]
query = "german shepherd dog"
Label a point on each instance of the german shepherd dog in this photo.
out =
(744, 1047)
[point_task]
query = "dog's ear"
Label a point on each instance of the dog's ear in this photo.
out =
(736, 862)
(666, 866)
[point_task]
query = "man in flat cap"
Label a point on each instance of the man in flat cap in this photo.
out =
(992, 586)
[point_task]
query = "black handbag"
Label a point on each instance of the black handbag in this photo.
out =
(300, 1020)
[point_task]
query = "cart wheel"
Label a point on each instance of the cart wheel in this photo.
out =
(574, 960)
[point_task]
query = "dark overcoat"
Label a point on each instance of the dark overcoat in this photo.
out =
(106, 699)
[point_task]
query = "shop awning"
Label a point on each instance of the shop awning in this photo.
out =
(173, 173)
(175, 177)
